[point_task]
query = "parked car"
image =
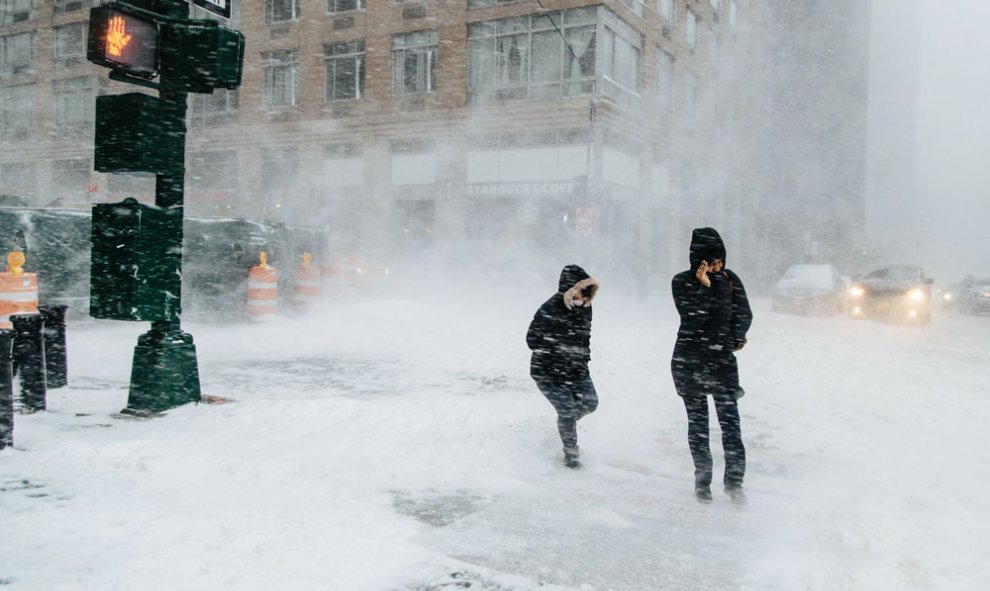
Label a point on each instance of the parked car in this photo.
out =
(810, 289)
(974, 295)
(899, 293)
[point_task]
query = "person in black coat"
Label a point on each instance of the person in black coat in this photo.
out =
(560, 338)
(715, 316)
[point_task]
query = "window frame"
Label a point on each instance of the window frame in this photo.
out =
(7, 67)
(57, 31)
(399, 74)
(85, 92)
(331, 59)
(10, 116)
(486, 65)
(336, 11)
(667, 11)
(17, 11)
(287, 60)
(270, 12)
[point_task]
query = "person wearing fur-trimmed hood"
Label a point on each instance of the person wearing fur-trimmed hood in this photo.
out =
(715, 317)
(560, 338)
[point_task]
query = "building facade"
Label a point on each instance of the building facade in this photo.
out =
(487, 126)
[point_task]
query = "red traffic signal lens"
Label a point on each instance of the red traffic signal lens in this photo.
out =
(123, 41)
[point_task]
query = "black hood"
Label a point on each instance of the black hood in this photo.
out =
(706, 245)
(570, 276)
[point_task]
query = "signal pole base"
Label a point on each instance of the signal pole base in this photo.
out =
(165, 373)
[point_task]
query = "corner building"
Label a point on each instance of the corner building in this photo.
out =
(480, 127)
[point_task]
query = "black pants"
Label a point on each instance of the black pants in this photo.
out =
(728, 418)
(571, 401)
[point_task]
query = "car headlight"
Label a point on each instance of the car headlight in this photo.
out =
(948, 297)
(916, 295)
(856, 291)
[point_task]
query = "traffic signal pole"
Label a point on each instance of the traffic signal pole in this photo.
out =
(136, 270)
(165, 370)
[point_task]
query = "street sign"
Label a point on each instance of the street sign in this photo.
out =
(218, 7)
(123, 40)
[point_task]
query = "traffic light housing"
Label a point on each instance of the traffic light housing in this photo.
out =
(189, 55)
(200, 56)
(135, 134)
(136, 261)
(123, 39)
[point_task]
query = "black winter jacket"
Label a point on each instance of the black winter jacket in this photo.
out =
(560, 334)
(714, 322)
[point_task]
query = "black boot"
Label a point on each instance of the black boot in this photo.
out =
(571, 455)
(703, 493)
(736, 494)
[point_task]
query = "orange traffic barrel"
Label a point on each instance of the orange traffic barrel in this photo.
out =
(18, 290)
(262, 294)
(307, 285)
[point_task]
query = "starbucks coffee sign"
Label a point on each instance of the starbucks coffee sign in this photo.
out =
(537, 189)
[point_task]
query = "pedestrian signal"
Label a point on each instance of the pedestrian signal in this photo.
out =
(124, 40)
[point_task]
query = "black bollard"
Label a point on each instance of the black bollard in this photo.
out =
(56, 368)
(6, 389)
(29, 356)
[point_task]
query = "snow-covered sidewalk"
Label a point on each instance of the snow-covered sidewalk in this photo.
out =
(400, 446)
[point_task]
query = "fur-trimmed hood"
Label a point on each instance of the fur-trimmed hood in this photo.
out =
(574, 279)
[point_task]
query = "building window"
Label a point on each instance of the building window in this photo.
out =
(665, 81)
(621, 53)
(281, 78)
(17, 53)
(15, 11)
(64, 6)
(17, 112)
(70, 43)
(732, 13)
(345, 70)
(665, 9)
(280, 11)
(525, 57)
(714, 4)
(691, 29)
(414, 63)
(212, 109)
(635, 5)
(69, 179)
(19, 179)
(74, 100)
(338, 6)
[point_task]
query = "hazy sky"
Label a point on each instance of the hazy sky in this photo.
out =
(953, 137)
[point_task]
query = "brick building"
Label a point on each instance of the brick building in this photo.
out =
(405, 124)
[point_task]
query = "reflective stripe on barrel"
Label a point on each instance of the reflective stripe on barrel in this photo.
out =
(18, 295)
(307, 286)
(262, 295)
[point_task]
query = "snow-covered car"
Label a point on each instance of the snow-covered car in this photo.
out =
(974, 295)
(900, 293)
(810, 289)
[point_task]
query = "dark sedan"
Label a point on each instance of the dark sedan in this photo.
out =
(898, 293)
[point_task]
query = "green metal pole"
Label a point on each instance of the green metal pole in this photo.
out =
(165, 372)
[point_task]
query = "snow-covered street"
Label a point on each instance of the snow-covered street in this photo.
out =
(400, 445)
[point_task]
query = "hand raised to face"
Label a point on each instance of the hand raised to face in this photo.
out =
(702, 274)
